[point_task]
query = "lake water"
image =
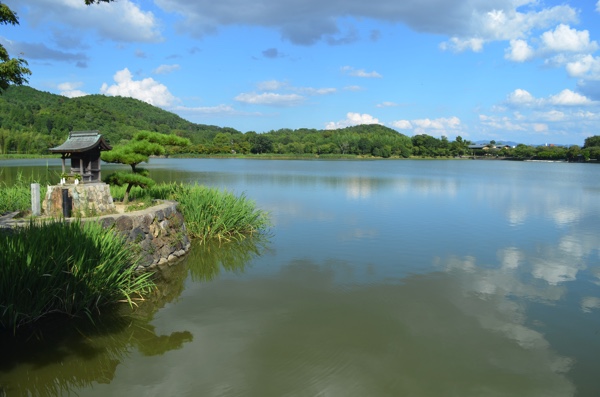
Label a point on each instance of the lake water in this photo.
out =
(378, 278)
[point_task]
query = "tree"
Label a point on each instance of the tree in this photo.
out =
(262, 144)
(12, 70)
(592, 141)
(143, 145)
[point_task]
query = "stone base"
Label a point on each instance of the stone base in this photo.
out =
(158, 233)
(90, 199)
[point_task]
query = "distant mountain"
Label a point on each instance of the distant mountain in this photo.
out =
(25, 109)
(498, 143)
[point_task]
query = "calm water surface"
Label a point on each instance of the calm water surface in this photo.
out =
(379, 278)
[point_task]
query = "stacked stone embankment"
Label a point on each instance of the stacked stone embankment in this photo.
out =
(158, 232)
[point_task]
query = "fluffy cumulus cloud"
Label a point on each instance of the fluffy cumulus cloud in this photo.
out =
(120, 21)
(562, 40)
(519, 51)
(469, 23)
(585, 67)
(147, 90)
(439, 126)
(501, 21)
(566, 39)
(352, 119)
(523, 98)
(71, 89)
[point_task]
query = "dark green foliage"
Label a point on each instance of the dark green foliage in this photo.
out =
(130, 179)
(12, 70)
(64, 268)
(45, 120)
(143, 145)
(591, 141)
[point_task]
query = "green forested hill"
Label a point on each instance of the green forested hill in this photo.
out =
(32, 120)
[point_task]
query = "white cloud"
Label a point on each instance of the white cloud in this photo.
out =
(569, 98)
(147, 90)
(598, 6)
(164, 69)
(565, 39)
(270, 98)
(430, 126)
(352, 119)
(275, 85)
(349, 70)
(402, 125)
(272, 85)
(437, 124)
(219, 110)
(459, 45)
(120, 21)
(522, 98)
(70, 89)
(502, 123)
(586, 67)
(387, 104)
(502, 22)
(552, 115)
(316, 91)
(519, 51)
(353, 88)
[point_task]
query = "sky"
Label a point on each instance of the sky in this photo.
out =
(526, 71)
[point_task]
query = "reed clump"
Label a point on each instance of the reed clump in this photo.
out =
(17, 196)
(64, 268)
(209, 213)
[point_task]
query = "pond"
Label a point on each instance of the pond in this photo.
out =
(378, 278)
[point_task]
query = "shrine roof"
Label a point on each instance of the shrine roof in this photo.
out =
(82, 141)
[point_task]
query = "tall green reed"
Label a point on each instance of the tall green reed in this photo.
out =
(209, 213)
(64, 268)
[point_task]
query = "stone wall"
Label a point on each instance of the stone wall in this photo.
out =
(158, 232)
(89, 199)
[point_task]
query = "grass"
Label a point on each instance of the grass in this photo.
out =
(209, 213)
(17, 197)
(67, 269)
(73, 269)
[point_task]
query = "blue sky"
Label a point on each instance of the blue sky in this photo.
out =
(519, 70)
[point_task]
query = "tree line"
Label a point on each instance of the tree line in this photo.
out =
(32, 121)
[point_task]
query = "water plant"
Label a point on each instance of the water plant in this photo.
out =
(209, 213)
(63, 268)
(17, 196)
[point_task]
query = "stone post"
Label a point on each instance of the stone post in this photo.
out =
(36, 209)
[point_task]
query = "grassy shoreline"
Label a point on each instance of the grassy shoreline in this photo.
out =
(68, 269)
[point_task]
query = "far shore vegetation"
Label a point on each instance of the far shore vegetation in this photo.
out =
(32, 121)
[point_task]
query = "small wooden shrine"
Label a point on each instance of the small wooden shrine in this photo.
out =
(83, 148)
